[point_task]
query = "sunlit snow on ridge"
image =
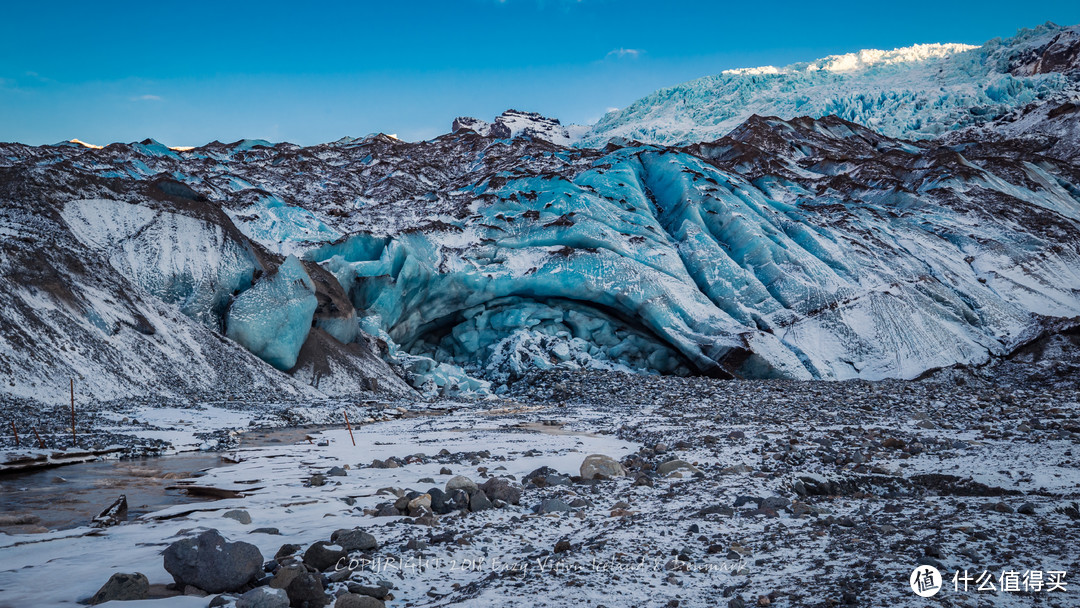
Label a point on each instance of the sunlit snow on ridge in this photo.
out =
(864, 59)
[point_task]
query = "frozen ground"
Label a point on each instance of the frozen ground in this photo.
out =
(816, 494)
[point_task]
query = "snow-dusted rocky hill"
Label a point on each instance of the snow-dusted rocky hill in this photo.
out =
(916, 92)
(515, 123)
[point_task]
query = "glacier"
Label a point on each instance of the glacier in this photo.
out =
(917, 92)
(781, 246)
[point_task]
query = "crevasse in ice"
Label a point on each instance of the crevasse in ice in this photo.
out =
(273, 318)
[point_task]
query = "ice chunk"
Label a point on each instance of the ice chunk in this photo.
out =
(273, 318)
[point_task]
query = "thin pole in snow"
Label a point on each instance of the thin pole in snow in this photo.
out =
(74, 442)
(39, 440)
(13, 430)
(349, 426)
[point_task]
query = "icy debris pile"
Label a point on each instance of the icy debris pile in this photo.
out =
(504, 338)
(273, 318)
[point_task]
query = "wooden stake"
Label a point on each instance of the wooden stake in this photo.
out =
(16, 433)
(39, 440)
(74, 442)
(349, 427)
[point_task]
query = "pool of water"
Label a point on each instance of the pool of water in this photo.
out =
(71, 496)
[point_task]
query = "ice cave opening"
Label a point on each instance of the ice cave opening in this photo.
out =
(502, 339)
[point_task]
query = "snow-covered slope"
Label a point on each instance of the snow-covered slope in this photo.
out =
(916, 92)
(125, 289)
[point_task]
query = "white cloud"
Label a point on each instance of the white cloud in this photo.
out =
(146, 98)
(622, 53)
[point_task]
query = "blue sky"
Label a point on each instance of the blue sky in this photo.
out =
(188, 73)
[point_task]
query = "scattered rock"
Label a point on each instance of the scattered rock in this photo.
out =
(353, 600)
(499, 488)
(420, 503)
(302, 587)
(551, 505)
(113, 514)
(479, 501)
(354, 540)
(264, 597)
(775, 503)
(378, 592)
(122, 587)
(323, 555)
(287, 550)
(599, 466)
(666, 468)
(239, 515)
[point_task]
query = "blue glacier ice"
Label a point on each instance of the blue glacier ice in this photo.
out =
(284, 228)
(657, 261)
(273, 318)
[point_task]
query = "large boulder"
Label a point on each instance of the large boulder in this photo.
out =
(671, 466)
(418, 504)
(122, 587)
(498, 488)
(479, 501)
(353, 600)
(598, 466)
(460, 482)
(439, 501)
(211, 563)
(551, 505)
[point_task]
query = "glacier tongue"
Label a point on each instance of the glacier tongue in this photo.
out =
(273, 318)
(690, 267)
